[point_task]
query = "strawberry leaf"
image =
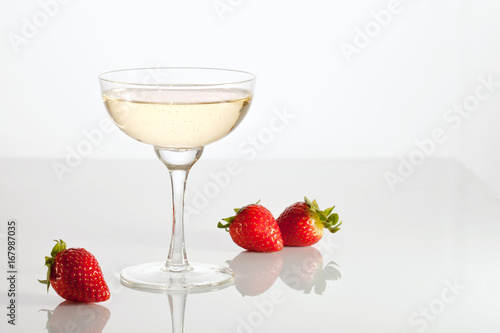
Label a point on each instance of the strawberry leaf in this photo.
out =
(321, 216)
(315, 204)
(60, 246)
(334, 218)
(328, 211)
(333, 230)
(308, 202)
(327, 219)
(224, 226)
(49, 261)
(230, 219)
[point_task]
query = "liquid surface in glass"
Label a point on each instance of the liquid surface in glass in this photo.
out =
(177, 118)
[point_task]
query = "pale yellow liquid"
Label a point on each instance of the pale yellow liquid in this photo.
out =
(177, 118)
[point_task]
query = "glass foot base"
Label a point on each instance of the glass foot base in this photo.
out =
(153, 277)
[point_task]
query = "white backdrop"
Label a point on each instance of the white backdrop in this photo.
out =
(409, 79)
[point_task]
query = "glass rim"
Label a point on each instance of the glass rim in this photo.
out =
(125, 82)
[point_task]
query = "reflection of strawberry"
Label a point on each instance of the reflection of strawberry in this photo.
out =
(75, 275)
(303, 269)
(77, 317)
(254, 228)
(255, 272)
(303, 223)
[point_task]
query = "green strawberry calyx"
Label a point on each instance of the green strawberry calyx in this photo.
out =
(49, 261)
(230, 219)
(325, 217)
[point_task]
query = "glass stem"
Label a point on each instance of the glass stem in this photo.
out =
(177, 304)
(178, 162)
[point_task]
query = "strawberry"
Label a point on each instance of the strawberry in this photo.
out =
(303, 223)
(254, 228)
(75, 275)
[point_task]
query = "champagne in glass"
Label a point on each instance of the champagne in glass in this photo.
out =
(178, 111)
(177, 118)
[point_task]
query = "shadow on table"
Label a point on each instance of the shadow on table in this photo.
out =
(300, 268)
(77, 317)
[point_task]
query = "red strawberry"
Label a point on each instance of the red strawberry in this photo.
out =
(303, 223)
(254, 228)
(75, 275)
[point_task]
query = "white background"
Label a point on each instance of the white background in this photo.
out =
(375, 103)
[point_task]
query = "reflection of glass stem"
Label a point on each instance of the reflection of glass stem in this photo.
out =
(177, 304)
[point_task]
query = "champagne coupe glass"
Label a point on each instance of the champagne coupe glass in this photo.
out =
(178, 111)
